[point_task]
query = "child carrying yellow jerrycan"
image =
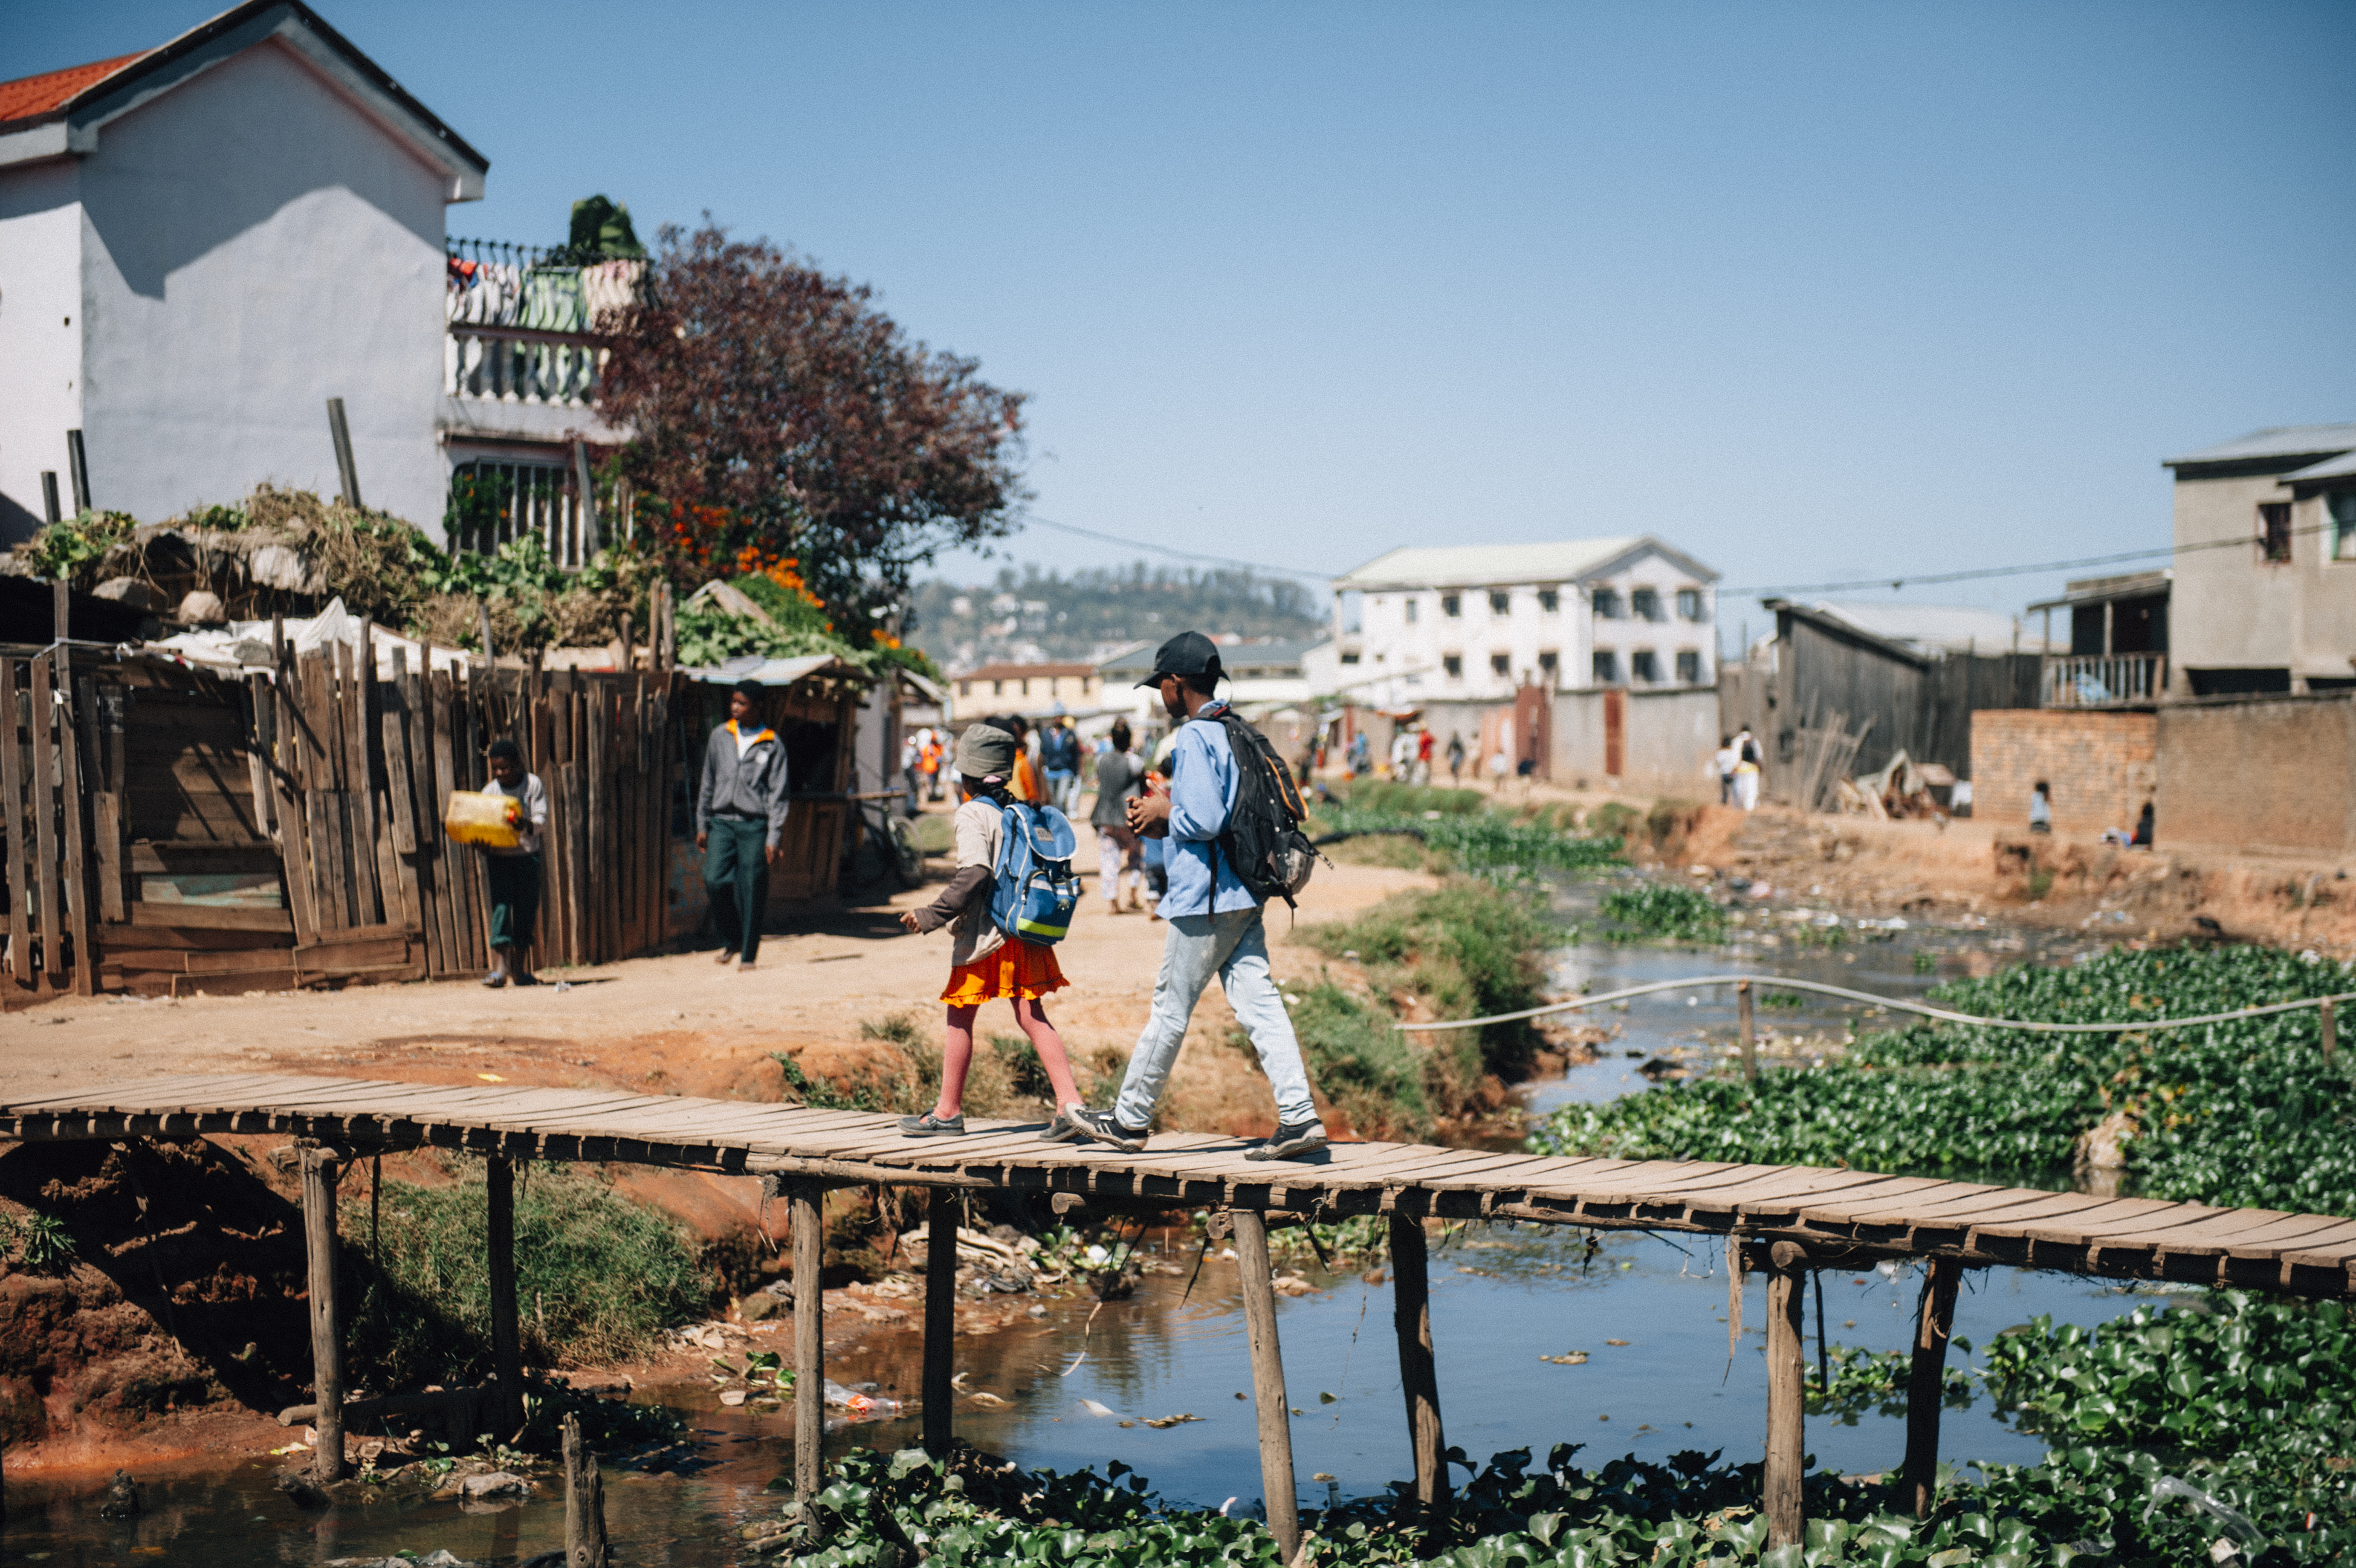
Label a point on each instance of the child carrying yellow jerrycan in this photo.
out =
(994, 956)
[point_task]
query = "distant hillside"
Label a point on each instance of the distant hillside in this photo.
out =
(1032, 617)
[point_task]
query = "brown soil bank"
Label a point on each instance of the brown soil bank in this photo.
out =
(1969, 867)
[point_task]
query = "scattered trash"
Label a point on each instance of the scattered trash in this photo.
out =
(1568, 1358)
(1615, 1341)
(490, 1078)
(989, 1401)
(1160, 1422)
(494, 1484)
(121, 1497)
(862, 1403)
(2236, 1524)
(1093, 1408)
(299, 1490)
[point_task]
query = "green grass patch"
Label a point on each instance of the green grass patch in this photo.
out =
(1365, 1067)
(598, 1278)
(2244, 1112)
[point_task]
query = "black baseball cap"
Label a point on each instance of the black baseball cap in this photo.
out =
(1188, 653)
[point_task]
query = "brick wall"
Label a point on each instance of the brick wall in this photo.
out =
(2271, 773)
(2102, 767)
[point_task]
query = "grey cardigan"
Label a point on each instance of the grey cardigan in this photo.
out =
(754, 785)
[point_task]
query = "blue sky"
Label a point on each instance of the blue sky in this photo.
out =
(1815, 292)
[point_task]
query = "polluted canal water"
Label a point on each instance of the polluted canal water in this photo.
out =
(1620, 1346)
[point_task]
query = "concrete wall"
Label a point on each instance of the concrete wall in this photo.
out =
(2229, 608)
(2102, 766)
(2268, 773)
(41, 325)
(1667, 745)
(252, 243)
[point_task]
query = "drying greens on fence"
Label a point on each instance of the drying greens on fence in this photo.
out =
(2244, 1112)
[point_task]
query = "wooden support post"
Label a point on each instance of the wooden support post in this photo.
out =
(1418, 1374)
(810, 1338)
(2330, 1032)
(940, 1319)
(585, 1502)
(1926, 1385)
(326, 1336)
(1268, 1381)
(1786, 1524)
(1749, 1033)
(506, 1349)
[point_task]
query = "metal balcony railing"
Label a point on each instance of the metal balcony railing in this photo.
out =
(2104, 680)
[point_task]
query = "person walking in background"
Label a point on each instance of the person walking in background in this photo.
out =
(514, 874)
(1120, 779)
(1059, 755)
(1153, 852)
(1723, 765)
(1215, 925)
(2041, 808)
(985, 963)
(1423, 745)
(740, 818)
(1361, 756)
(1455, 757)
(934, 759)
(912, 758)
(1024, 780)
(1402, 755)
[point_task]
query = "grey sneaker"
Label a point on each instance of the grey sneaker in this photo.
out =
(1291, 1142)
(1066, 1128)
(931, 1126)
(1100, 1126)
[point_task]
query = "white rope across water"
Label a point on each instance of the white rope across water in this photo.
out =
(1891, 1002)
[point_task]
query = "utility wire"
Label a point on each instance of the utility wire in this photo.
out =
(1175, 553)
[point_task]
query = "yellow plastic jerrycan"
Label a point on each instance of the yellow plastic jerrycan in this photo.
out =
(482, 819)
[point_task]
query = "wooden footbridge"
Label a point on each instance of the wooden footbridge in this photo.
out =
(1782, 1220)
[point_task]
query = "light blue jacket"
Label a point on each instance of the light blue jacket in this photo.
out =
(1203, 784)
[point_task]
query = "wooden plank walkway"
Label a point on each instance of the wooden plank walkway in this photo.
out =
(1842, 1218)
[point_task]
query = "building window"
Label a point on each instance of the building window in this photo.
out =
(1607, 667)
(998, 688)
(1690, 666)
(1351, 606)
(964, 688)
(1500, 601)
(1453, 663)
(1549, 600)
(1607, 604)
(1349, 659)
(1413, 604)
(1643, 666)
(1451, 606)
(2342, 510)
(1645, 603)
(1689, 603)
(1501, 665)
(2273, 530)
(1550, 664)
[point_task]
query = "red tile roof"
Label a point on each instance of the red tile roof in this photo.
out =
(31, 97)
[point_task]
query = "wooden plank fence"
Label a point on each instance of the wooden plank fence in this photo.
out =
(124, 783)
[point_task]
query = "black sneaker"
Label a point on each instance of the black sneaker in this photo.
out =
(1065, 1128)
(1291, 1142)
(1100, 1126)
(931, 1126)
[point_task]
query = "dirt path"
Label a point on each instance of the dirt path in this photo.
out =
(675, 1024)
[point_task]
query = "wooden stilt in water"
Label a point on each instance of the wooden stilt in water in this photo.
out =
(1925, 1386)
(1742, 1009)
(1258, 1283)
(1418, 1374)
(810, 1339)
(326, 1336)
(940, 1319)
(506, 1349)
(585, 1502)
(1786, 1522)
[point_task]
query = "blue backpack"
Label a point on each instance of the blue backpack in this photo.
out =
(1034, 890)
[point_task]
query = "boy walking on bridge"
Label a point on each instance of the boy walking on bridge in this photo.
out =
(1215, 925)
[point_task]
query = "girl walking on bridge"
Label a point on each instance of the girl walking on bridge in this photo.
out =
(985, 963)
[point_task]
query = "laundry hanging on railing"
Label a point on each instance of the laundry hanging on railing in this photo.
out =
(550, 299)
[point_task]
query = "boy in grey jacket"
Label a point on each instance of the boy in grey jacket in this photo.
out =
(740, 815)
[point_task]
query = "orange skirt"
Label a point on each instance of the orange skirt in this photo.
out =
(1017, 970)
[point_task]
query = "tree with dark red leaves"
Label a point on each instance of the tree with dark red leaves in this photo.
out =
(759, 386)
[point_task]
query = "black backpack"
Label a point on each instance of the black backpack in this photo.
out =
(1263, 840)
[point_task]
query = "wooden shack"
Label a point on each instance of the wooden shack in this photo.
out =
(172, 828)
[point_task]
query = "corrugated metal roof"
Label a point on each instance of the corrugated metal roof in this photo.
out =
(2329, 469)
(2280, 440)
(770, 671)
(1483, 565)
(1935, 628)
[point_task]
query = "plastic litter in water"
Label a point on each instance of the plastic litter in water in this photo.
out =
(2237, 1525)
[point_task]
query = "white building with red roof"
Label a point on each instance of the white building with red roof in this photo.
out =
(200, 245)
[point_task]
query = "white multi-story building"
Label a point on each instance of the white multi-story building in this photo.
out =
(1476, 623)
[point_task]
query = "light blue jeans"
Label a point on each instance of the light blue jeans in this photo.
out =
(1234, 946)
